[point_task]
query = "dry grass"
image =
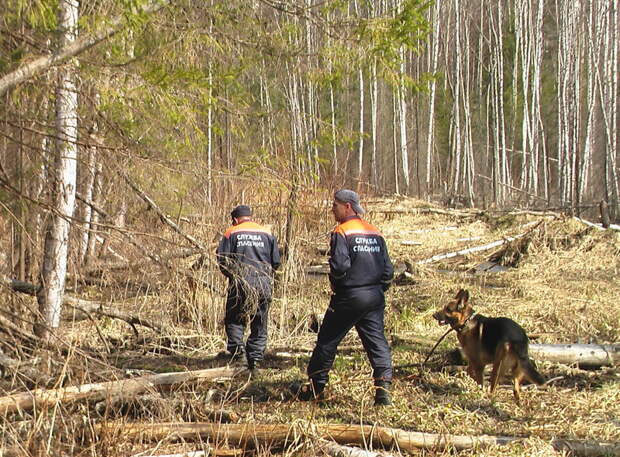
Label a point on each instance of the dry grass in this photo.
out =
(562, 287)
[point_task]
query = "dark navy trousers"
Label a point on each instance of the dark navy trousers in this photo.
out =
(362, 308)
(245, 304)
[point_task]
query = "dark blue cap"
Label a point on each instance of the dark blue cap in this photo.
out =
(241, 211)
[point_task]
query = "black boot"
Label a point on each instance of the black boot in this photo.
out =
(308, 391)
(253, 367)
(382, 393)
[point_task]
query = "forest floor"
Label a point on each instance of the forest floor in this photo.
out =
(559, 280)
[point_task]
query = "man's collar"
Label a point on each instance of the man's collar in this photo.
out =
(241, 220)
(348, 218)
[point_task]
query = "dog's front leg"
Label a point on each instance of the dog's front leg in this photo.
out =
(476, 371)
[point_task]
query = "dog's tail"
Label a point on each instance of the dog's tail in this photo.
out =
(531, 373)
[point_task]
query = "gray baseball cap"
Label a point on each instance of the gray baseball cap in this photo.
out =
(349, 196)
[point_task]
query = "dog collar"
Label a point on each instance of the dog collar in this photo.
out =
(462, 326)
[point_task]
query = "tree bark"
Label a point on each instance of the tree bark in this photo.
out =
(54, 269)
(586, 355)
(254, 435)
(43, 398)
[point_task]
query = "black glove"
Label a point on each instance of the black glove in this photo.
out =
(385, 285)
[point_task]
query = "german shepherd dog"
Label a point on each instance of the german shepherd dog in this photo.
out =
(497, 340)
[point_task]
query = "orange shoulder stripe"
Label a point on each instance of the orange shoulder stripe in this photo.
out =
(246, 227)
(357, 226)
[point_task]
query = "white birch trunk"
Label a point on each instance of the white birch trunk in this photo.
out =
(469, 165)
(360, 149)
(568, 99)
(538, 134)
(501, 160)
(609, 105)
(594, 43)
(210, 139)
(395, 140)
(402, 122)
(88, 192)
(374, 96)
(433, 57)
(54, 267)
(455, 119)
(97, 189)
(332, 106)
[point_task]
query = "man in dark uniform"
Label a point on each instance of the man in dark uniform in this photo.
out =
(247, 255)
(360, 273)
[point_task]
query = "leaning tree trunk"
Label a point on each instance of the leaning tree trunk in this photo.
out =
(54, 268)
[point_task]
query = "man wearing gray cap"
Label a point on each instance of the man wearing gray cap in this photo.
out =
(247, 255)
(360, 273)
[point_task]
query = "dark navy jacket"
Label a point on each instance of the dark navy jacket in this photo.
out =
(250, 252)
(358, 256)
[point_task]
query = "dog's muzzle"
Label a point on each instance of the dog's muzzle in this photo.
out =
(440, 318)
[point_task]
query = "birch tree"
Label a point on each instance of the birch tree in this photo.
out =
(568, 102)
(433, 56)
(54, 266)
(609, 88)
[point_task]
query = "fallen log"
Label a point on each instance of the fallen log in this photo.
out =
(85, 306)
(23, 369)
(427, 210)
(283, 434)
(339, 450)
(585, 355)
(597, 226)
(485, 247)
(178, 254)
(209, 452)
(42, 398)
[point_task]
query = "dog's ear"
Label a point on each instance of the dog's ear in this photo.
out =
(462, 298)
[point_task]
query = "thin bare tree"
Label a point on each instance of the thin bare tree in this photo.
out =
(54, 267)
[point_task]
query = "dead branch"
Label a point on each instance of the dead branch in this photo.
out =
(86, 306)
(160, 260)
(597, 226)
(426, 210)
(165, 219)
(43, 63)
(278, 434)
(339, 450)
(22, 368)
(179, 254)
(154, 257)
(485, 247)
(8, 327)
(42, 398)
(209, 452)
